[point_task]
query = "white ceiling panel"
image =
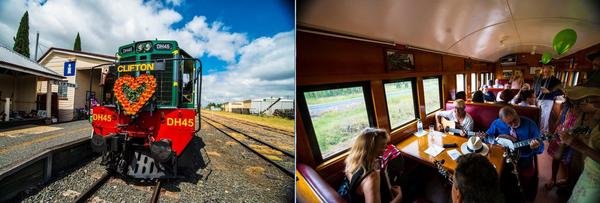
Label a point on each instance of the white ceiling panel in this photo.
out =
(472, 28)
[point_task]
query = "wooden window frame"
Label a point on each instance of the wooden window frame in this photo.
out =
(307, 121)
(413, 83)
(440, 89)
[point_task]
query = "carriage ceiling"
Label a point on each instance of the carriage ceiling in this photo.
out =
(481, 29)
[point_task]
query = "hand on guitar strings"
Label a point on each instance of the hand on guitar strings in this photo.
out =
(396, 191)
(534, 144)
(567, 138)
(439, 126)
(481, 135)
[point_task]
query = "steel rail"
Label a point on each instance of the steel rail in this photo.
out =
(269, 128)
(156, 193)
(253, 138)
(278, 166)
(92, 189)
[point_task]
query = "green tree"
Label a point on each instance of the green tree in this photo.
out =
(22, 39)
(77, 46)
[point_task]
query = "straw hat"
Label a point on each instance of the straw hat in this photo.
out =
(474, 145)
(590, 88)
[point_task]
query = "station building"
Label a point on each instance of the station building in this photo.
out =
(268, 106)
(19, 103)
(73, 91)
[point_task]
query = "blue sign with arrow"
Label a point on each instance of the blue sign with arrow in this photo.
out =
(69, 68)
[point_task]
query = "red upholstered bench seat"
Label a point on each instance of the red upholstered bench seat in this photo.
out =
(484, 114)
(498, 90)
(319, 186)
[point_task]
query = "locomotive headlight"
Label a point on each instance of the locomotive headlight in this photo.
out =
(147, 47)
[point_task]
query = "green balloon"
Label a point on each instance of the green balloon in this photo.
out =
(546, 58)
(564, 40)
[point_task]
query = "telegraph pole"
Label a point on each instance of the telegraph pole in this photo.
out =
(37, 39)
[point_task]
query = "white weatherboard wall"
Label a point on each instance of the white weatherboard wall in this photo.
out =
(21, 90)
(75, 96)
(259, 105)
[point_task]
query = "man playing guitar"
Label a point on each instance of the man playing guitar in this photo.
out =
(458, 115)
(513, 127)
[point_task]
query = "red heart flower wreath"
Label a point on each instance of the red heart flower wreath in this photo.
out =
(129, 107)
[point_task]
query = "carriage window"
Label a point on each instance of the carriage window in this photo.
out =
(473, 82)
(400, 102)
(460, 82)
(337, 115)
(432, 92)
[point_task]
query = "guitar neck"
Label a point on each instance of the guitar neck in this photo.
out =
(458, 131)
(526, 142)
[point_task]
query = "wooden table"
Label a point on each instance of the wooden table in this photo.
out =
(415, 148)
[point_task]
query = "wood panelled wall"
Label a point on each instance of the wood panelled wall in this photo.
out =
(327, 60)
(526, 60)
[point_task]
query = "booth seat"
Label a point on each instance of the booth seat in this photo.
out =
(498, 90)
(505, 81)
(318, 185)
(484, 114)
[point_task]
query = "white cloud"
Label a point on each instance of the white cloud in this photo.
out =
(175, 2)
(265, 66)
(105, 25)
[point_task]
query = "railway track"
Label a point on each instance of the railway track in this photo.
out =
(256, 125)
(83, 197)
(273, 140)
(248, 143)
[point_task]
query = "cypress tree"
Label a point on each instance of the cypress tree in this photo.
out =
(77, 46)
(22, 39)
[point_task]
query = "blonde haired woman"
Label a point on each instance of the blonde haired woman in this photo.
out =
(516, 81)
(362, 167)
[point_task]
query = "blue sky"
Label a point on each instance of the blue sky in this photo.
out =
(247, 47)
(256, 18)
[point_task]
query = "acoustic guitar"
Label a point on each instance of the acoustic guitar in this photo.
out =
(579, 131)
(450, 126)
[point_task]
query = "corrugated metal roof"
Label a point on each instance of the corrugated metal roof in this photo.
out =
(17, 62)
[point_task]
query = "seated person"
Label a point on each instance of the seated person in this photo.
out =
(497, 84)
(362, 168)
(526, 98)
(488, 95)
(478, 97)
(516, 128)
(461, 95)
(506, 86)
(475, 180)
(457, 115)
(516, 100)
(504, 96)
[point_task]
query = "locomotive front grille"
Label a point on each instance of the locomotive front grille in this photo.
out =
(164, 80)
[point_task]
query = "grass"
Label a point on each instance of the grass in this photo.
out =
(400, 109)
(335, 127)
(321, 100)
(275, 122)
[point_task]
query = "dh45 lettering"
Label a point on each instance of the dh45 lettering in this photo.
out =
(187, 122)
(101, 117)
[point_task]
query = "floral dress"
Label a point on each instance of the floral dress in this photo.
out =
(587, 188)
(567, 120)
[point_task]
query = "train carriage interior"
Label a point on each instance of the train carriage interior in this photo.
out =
(394, 65)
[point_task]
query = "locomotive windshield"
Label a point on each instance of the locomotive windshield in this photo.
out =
(176, 72)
